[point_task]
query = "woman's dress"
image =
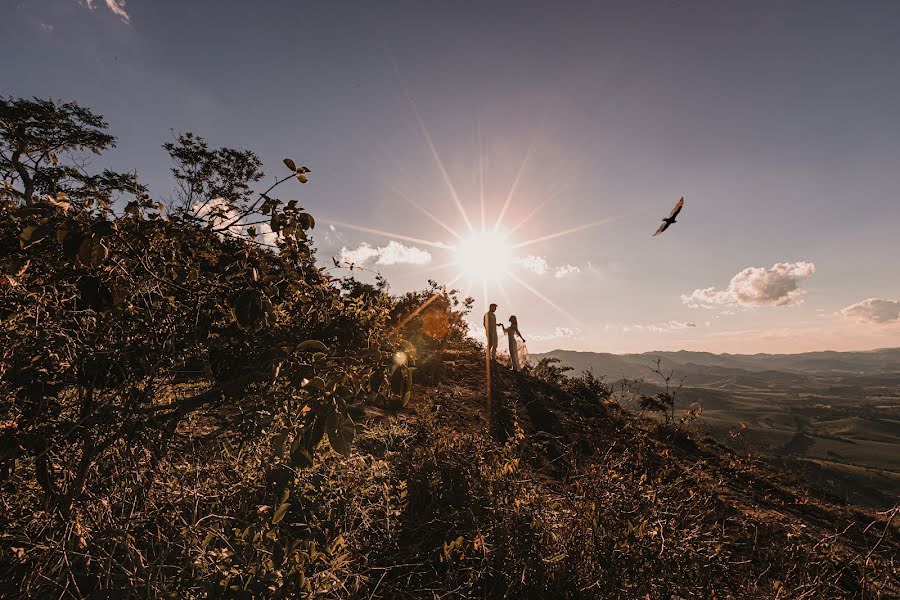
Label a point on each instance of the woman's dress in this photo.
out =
(513, 348)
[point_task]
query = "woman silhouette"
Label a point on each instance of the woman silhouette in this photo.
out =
(512, 331)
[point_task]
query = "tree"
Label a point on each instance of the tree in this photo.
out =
(215, 186)
(42, 146)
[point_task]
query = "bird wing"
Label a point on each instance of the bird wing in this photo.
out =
(663, 227)
(677, 209)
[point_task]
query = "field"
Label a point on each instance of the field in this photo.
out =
(835, 416)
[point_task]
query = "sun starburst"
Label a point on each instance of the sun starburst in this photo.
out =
(484, 257)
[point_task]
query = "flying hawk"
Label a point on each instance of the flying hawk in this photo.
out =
(671, 218)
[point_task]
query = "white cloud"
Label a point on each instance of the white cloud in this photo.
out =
(874, 310)
(217, 212)
(536, 264)
(666, 327)
(572, 333)
(566, 270)
(757, 286)
(47, 27)
(394, 253)
(117, 7)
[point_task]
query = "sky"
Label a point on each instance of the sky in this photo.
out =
(778, 123)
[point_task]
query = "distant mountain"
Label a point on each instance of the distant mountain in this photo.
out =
(837, 414)
(705, 367)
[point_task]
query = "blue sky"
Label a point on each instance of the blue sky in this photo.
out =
(776, 121)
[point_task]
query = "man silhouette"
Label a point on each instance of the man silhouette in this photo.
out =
(490, 330)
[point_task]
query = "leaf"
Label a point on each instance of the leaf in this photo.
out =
(401, 383)
(302, 178)
(306, 221)
(279, 514)
(301, 458)
(290, 164)
(312, 346)
(278, 441)
(132, 209)
(31, 234)
(92, 252)
(341, 435)
(249, 308)
(61, 203)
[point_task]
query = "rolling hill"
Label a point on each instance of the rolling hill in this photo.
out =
(833, 415)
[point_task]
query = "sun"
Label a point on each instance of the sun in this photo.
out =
(484, 256)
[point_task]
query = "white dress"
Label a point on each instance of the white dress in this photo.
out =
(514, 357)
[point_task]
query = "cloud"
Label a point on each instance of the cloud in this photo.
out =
(394, 253)
(566, 270)
(757, 286)
(47, 27)
(536, 264)
(572, 333)
(217, 212)
(666, 327)
(117, 7)
(540, 266)
(874, 310)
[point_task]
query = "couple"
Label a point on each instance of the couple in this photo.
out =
(490, 329)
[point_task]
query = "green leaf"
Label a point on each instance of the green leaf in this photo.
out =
(312, 346)
(279, 514)
(290, 164)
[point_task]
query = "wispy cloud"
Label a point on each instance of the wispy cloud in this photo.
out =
(394, 253)
(117, 7)
(565, 271)
(558, 333)
(47, 27)
(757, 286)
(874, 310)
(665, 327)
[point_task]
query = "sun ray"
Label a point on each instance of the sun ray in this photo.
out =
(388, 234)
(553, 196)
(515, 183)
(503, 292)
(440, 165)
(550, 302)
(481, 174)
(425, 211)
(564, 232)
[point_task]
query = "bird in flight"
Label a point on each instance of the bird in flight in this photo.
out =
(671, 218)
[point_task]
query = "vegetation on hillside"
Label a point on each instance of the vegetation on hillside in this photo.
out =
(190, 407)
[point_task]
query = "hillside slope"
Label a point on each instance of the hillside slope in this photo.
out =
(570, 497)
